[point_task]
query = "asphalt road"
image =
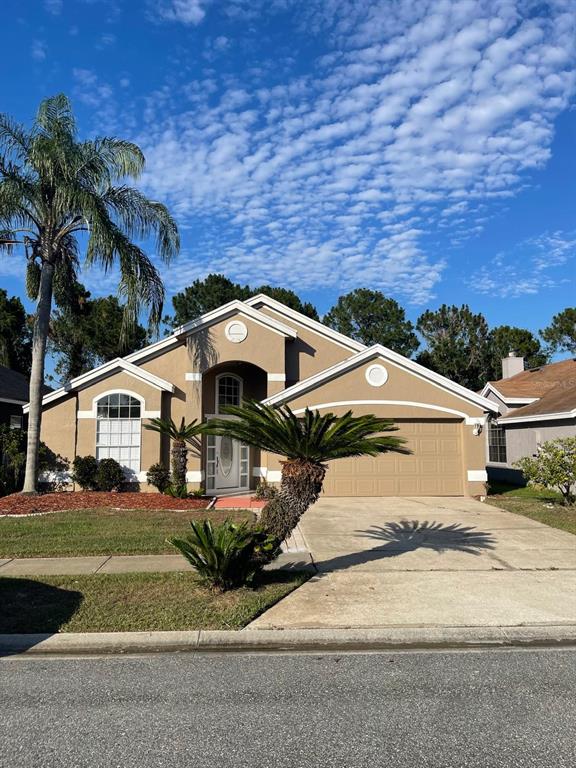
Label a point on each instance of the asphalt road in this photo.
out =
(414, 710)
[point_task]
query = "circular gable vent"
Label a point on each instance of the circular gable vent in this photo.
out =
(236, 331)
(376, 375)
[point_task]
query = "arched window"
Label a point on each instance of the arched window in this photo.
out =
(118, 429)
(228, 391)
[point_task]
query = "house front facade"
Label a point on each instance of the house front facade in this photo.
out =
(535, 405)
(260, 349)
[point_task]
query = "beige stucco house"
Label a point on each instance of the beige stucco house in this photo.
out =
(264, 350)
(535, 405)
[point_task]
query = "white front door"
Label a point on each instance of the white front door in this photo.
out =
(227, 464)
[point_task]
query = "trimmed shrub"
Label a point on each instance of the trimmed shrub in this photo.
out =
(228, 555)
(159, 477)
(13, 460)
(109, 475)
(84, 469)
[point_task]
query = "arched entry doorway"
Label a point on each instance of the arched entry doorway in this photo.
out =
(228, 463)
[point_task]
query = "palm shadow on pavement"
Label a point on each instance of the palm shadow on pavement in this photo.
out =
(397, 538)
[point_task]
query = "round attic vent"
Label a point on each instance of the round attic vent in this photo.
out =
(236, 331)
(376, 375)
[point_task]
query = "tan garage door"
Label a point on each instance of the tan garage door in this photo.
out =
(435, 467)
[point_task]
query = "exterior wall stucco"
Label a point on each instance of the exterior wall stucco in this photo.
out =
(58, 429)
(310, 353)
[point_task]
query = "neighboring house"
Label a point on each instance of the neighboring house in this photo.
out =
(535, 406)
(13, 395)
(263, 350)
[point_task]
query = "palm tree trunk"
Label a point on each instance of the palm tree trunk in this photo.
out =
(39, 340)
(300, 487)
(179, 461)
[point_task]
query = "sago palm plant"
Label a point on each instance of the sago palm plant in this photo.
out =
(182, 439)
(55, 189)
(307, 442)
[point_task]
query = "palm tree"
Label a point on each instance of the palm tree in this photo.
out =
(55, 189)
(307, 443)
(181, 437)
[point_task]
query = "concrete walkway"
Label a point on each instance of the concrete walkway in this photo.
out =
(293, 556)
(412, 562)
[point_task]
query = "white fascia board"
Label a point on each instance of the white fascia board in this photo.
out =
(234, 307)
(153, 349)
(10, 401)
(537, 417)
(314, 325)
(387, 355)
(102, 372)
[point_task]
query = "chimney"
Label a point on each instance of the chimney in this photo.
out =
(512, 365)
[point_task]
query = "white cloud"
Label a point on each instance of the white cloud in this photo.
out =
(528, 268)
(38, 50)
(415, 124)
(183, 11)
(54, 6)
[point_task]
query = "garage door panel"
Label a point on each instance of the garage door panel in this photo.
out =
(435, 467)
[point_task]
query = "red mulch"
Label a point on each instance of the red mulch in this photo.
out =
(16, 504)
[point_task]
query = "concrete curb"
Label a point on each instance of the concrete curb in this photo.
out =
(294, 640)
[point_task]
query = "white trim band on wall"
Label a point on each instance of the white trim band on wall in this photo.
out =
(277, 377)
(260, 472)
(143, 415)
(274, 475)
(430, 406)
(194, 376)
(477, 476)
(194, 475)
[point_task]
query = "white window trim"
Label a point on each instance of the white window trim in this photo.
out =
(144, 414)
(216, 385)
(132, 473)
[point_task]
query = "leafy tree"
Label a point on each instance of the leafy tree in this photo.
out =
(505, 339)
(215, 290)
(181, 438)
(15, 334)
(55, 188)
(457, 344)
(372, 318)
(307, 443)
(88, 332)
(554, 466)
(204, 296)
(560, 335)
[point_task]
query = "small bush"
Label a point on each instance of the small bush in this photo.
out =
(177, 491)
(198, 493)
(553, 466)
(84, 469)
(159, 477)
(228, 555)
(109, 475)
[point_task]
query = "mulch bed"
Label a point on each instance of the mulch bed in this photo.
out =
(16, 504)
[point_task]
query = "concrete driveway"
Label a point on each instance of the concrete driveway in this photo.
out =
(429, 562)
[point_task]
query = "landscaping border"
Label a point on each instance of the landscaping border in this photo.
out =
(291, 641)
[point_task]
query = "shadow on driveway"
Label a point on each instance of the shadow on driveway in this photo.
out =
(410, 535)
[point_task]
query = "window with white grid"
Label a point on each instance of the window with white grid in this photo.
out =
(118, 430)
(228, 391)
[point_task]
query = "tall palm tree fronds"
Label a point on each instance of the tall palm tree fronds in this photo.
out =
(181, 437)
(307, 442)
(55, 189)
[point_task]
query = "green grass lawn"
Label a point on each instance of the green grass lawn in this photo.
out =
(100, 531)
(538, 504)
(133, 602)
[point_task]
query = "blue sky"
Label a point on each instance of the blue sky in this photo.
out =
(427, 149)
